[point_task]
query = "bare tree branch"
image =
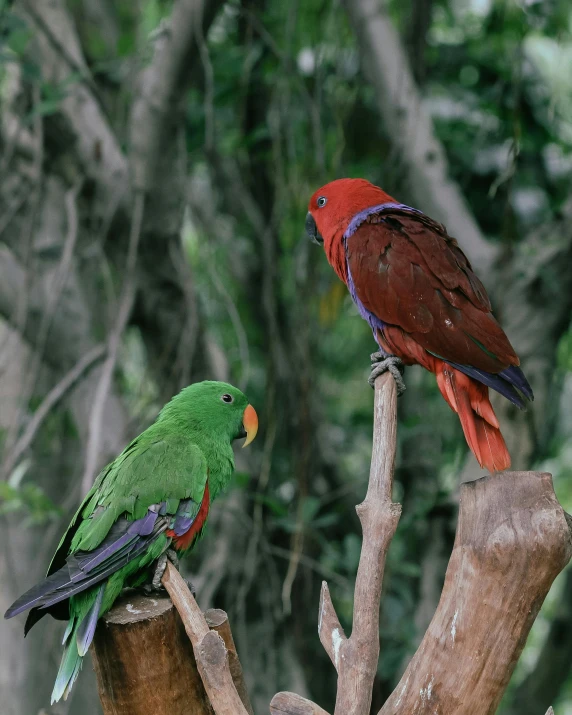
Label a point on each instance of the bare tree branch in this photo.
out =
(217, 620)
(356, 657)
(410, 127)
(60, 55)
(286, 703)
(162, 85)
(92, 455)
(54, 396)
(209, 648)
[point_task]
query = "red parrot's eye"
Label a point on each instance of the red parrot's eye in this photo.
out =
(322, 201)
(227, 398)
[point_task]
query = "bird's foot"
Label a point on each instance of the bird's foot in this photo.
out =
(381, 363)
(169, 555)
(156, 585)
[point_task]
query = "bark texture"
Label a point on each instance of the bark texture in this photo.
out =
(144, 661)
(355, 658)
(208, 646)
(512, 541)
(291, 704)
(217, 620)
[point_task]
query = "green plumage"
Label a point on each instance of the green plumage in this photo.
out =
(167, 465)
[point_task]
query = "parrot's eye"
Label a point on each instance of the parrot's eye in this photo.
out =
(227, 398)
(322, 201)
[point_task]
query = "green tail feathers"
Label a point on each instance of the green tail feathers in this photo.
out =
(84, 612)
(69, 670)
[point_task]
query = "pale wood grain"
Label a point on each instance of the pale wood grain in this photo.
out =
(291, 704)
(217, 620)
(512, 541)
(355, 658)
(208, 647)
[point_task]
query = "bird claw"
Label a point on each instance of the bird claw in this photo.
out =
(387, 363)
(156, 584)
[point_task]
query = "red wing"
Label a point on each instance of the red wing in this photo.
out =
(409, 273)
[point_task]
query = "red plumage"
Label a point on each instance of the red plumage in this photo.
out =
(185, 541)
(425, 304)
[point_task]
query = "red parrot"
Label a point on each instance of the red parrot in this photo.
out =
(417, 290)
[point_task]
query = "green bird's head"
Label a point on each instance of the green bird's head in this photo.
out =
(214, 408)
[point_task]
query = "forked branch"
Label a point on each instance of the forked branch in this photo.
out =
(208, 646)
(513, 539)
(355, 658)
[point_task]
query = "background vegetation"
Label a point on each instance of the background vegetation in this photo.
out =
(155, 169)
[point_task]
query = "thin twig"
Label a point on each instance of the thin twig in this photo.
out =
(48, 403)
(124, 311)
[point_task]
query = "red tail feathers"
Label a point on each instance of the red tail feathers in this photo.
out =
(470, 400)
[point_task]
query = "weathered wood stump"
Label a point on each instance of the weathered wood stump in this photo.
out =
(512, 540)
(144, 661)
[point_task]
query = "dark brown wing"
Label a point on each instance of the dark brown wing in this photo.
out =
(409, 273)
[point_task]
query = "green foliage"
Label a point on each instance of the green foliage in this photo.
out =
(27, 500)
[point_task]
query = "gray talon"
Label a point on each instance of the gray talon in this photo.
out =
(171, 555)
(173, 558)
(387, 363)
(159, 571)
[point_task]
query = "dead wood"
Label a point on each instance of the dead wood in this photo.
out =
(513, 538)
(512, 541)
(355, 658)
(144, 662)
(208, 646)
(217, 620)
(291, 704)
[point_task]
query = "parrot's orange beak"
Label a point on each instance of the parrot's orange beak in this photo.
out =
(250, 424)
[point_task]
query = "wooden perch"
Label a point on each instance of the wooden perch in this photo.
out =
(208, 646)
(145, 654)
(355, 658)
(217, 620)
(512, 541)
(144, 662)
(291, 704)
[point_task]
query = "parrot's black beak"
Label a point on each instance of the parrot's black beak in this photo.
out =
(312, 230)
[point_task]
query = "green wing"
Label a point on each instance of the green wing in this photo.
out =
(149, 471)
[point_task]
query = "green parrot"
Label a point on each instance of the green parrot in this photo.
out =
(151, 503)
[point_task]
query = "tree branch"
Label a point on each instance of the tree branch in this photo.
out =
(162, 84)
(60, 55)
(291, 704)
(411, 129)
(355, 658)
(48, 403)
(92, 456)
(217, 620)
(208, 646)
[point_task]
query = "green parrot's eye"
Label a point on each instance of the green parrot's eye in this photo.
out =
(227, 398)
(322, 201)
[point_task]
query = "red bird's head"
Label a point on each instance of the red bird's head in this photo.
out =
(331, 210)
